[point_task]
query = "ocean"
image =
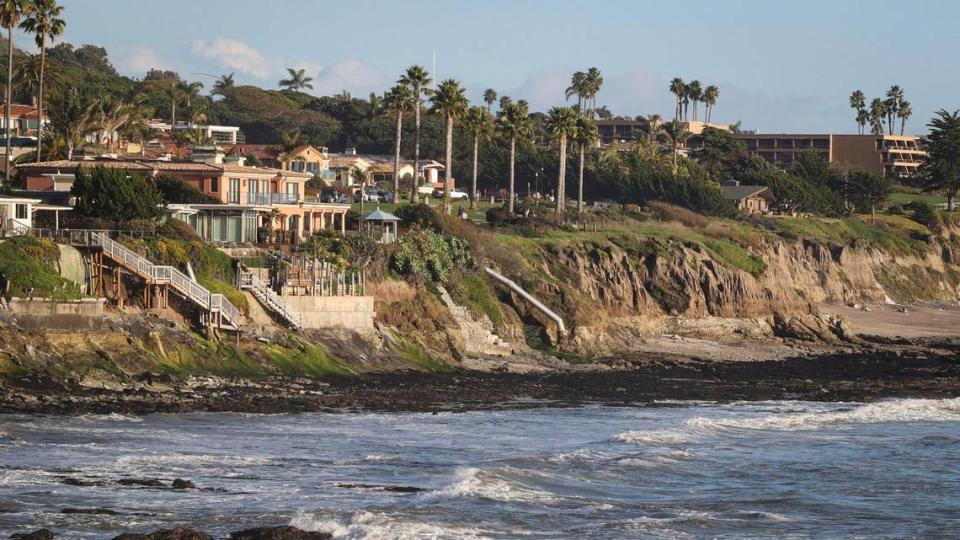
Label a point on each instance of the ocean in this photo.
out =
(887, 469)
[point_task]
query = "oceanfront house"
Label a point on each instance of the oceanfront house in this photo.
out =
(257, 205)
(379, 168)
(749, 199)
(17, 214)
(24, 121)
(218, 134)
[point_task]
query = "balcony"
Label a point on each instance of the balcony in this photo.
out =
(262, 199)
(284, 198)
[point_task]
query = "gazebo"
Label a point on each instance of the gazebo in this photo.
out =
(380, 225)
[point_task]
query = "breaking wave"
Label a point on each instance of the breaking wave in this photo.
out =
(473, 482)
(370, 525)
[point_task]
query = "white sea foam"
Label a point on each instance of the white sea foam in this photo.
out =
(901, 410)
(376, 526)
(111, 417)
(152, 460)
(377, 458)
(473, 482)
(654, 437)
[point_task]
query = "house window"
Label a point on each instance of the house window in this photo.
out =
(292, 188)
(21, 211)
(214, 185)
(296, 166)
(233, 195)
(312, 167)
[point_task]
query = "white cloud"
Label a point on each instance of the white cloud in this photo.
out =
(237, 55)
(350, 75)
(139, 59)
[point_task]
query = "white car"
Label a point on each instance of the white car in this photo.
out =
(455, 194)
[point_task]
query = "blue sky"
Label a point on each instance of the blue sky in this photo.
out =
(779, 67)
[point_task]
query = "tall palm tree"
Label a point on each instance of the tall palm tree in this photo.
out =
(175, 94)
(858, 102)
(513, 122)
(686, 101)
(191, 91)
(449, 100)
(74, 119)
(113, 116)
(676, 135)
(298, 80)
(289, 142)
(695, 92)
(892, 103)
(678, 89)
(27, 75)
(11, 11)
(863, 118)
(710, 95)
(585, 135)
(223, 85)
(505, 102)
(578, 87)
(878, 111)
(594, 83)
(44, 23)
(562, 124)
(479, 125)
(398, 100)
(904, 112)
(417, 78)
(489, 97)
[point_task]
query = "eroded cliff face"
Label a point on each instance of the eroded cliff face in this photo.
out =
(610, 295)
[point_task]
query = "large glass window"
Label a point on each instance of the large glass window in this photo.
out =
(233, 196)
(21, 211)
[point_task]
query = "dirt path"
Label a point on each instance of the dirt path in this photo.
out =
(890, 321)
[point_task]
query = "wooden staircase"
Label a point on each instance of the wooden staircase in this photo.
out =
(270, 299)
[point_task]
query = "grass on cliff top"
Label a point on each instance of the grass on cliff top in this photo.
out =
(31, 263)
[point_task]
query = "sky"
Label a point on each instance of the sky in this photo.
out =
(780, 66)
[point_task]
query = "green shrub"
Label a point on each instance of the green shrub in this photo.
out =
(430, 256)
(420, 215)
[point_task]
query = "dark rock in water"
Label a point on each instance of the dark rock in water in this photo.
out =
(378, 487)
(146, 482)
(41, 534)
(180, 483)
(278, 533)
(77, 482)
(101, 511)
(179, 533)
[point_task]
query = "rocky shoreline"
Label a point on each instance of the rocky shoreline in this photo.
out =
(878, 369)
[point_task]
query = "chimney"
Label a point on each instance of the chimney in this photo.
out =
(235, 160)
(211, 155)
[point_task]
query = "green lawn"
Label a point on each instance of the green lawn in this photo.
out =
(904, 195)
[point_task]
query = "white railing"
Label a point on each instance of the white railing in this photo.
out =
(198, 294)
(270, 298)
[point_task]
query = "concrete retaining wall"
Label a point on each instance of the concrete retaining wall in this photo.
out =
(47, 314)
(352, 312)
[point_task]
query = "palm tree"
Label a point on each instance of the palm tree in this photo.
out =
(174, 93)
(450, 101)
(858, 102)
(74, 119)
(894, 98)
(190, 91)
(27, 75)
(298, 80)
(43, 22)
(878, 110)
(676, 134)
(695, 91)
(417, 78)
(479, 125)
(585, 135)
(561, 124)
(686, 101)
(505, 102)
(863, 118)
(489, 97)
(678, 89)
(362, 177)
(710, 95)
(112, 117)
(10, 13)
(289, 142)
(513, 122)
(398, 100)
(594, 82)
(904, 112)
(223, 84)
(578, 87)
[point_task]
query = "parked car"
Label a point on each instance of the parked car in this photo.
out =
(455, 194)
(370, 196)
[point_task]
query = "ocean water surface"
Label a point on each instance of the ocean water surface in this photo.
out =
(676, 470)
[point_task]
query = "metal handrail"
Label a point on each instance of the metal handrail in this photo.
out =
(269, 297)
